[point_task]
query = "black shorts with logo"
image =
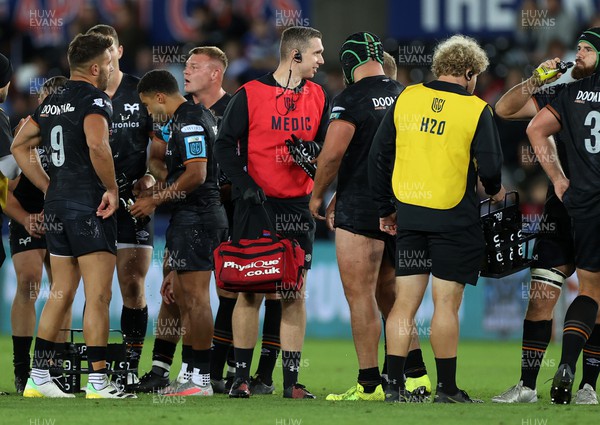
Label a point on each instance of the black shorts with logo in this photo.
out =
(192, 237)
(131, 234)
(21, 241)
(455, 256)
(73, 230)
(290, 217)
(554, 241)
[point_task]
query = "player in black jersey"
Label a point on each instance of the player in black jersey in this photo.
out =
(131, 131)
(8, 166)
(203, 76)
(553, 251)
(24, 206)
(81, 197)
(365, 254)
(575, 115)
(198, 221)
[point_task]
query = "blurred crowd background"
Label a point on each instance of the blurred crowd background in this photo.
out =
(517, 35)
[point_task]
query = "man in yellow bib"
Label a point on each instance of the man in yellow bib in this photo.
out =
(423, 166)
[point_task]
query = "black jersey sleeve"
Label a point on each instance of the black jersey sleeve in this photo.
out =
(546, 95)
(98, 103)
(192, 143)
(231, 146)
(487, 152)
(342, 109)
(5, 135)
(381, 164)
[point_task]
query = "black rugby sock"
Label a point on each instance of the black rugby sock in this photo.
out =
(591, 359)
(579, 321)
(222, 338)
(270, 341)
(536, 337)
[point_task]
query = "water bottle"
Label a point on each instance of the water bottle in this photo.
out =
(546, 73)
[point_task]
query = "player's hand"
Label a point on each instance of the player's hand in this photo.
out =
(143, 184)
(330, 214)
(550, 63)
(143, 207)
(34, 224)
(499, 197)
(560, 187)
(109, 204)
(314, 206)
(166, 289)
(388, 224)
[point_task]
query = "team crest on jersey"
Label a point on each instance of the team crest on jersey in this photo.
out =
(438, 104)
(195, 146)
(132, 107)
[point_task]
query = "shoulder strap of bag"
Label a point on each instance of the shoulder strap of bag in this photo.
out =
(240, 229)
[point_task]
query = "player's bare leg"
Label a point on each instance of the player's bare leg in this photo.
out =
(359, 261)
(66, 280)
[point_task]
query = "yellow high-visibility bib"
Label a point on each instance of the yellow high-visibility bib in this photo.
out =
(434, 131)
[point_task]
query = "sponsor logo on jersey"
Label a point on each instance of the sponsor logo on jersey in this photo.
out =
(132, 107)
(335, 112)
(587, 96)
(382, 102)
(57, 109)
(126, 124)
(195, 146)
(99, 102)
(192, 128)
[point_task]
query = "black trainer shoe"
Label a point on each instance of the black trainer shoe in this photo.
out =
(239, 389)
(20, 382)
(460, 397)
(258, 386)
(150, 383)
(397, 396)
(562, 385)
(420, 395)
(229, 383)
(297, 391)
(218, 386)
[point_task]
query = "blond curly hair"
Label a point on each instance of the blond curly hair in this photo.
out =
(457, 54)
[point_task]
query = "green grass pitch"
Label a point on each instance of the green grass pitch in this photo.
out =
(484, 369)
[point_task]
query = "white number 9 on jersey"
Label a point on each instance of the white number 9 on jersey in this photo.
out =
(58, 148)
